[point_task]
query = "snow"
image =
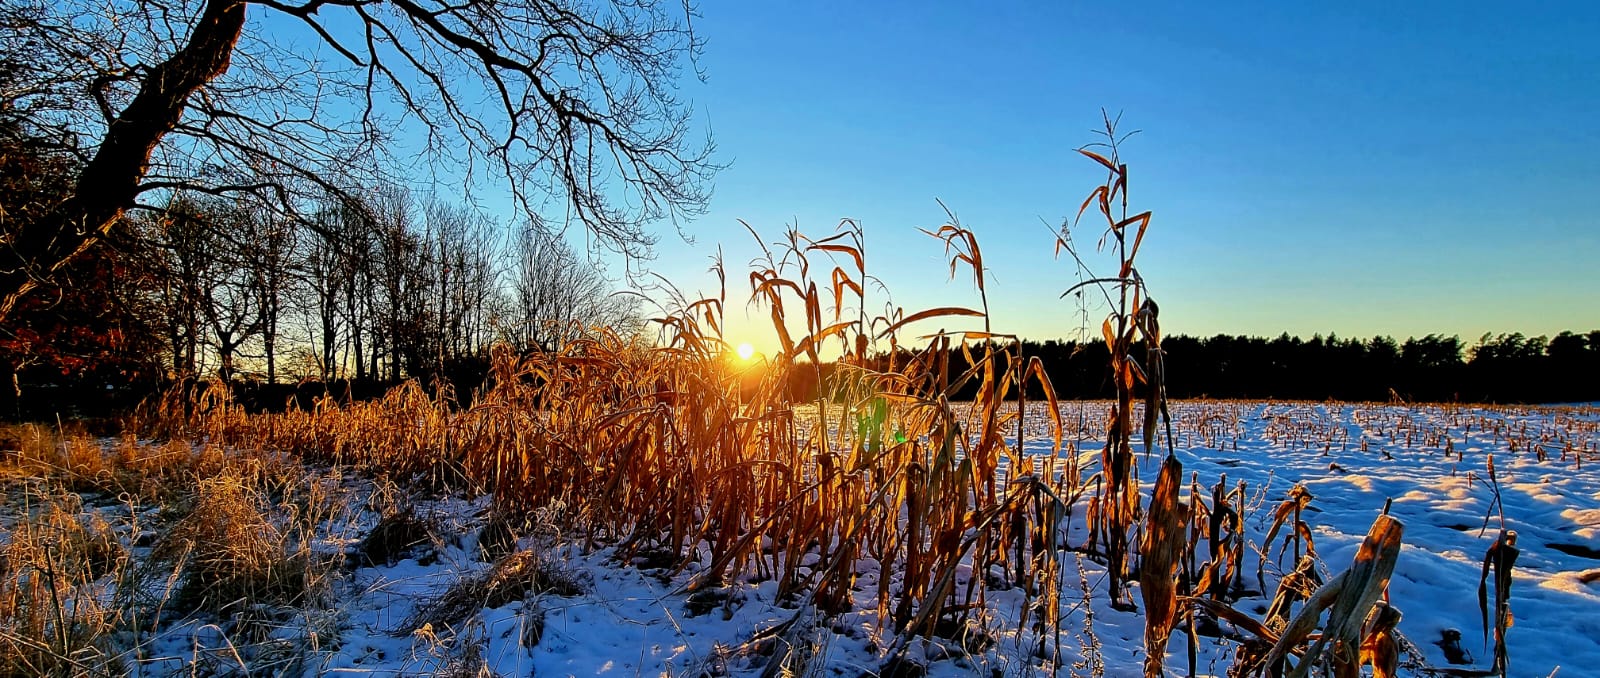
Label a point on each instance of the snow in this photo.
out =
(1444, 500)
(1432, 461)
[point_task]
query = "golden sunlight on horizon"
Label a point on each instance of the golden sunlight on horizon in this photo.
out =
(746, 352)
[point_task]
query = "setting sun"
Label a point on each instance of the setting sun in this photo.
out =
(746, 351)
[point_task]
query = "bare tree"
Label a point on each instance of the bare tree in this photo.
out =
(359, 239)
(400, 259)
(462, 279)
(326, 275)
(207, 96)
(558, 295)
(215, 300)
(187, 262)
(269, 257)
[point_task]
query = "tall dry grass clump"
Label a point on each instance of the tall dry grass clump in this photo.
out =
(233, 550)
(90, 574)
(1133, 319)
(59, 608)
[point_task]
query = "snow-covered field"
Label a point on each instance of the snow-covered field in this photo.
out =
(632, 619)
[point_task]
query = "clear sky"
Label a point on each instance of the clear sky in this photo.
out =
(1395, 168)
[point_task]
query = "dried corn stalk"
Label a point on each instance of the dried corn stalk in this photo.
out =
(1349, 598)
(1501, 557)
(1288, 513)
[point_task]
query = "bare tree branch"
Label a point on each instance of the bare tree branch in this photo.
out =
(570, 104)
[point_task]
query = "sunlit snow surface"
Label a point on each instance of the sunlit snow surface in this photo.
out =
(1431, 460)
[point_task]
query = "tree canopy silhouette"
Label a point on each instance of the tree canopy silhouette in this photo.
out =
(1500, 368)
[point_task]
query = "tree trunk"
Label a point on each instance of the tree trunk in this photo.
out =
(269, 343)
(110, 181)
(269, 324)
(329, 336)
(355, 328)
(225, 361)
(10, 391)
(191, 316)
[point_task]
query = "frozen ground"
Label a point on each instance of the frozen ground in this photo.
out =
(632, 619)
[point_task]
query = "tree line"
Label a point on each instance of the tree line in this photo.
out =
(1496, 368)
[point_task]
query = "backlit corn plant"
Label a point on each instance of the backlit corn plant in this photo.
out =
(1132, 318)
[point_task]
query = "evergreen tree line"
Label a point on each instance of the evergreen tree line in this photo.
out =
(1497, 368)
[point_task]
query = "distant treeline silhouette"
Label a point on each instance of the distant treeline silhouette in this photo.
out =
(1503, 368)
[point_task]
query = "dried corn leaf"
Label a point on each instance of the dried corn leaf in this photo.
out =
(1163, 551)
(1381, 648)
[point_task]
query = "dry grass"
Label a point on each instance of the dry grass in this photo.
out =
(233, 528)
(399, 535)
(522, 576)
(55, 615)
(233, 554)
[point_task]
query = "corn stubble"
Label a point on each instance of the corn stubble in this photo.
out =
(671, 451)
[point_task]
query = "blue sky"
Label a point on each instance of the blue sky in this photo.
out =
(1359, 168)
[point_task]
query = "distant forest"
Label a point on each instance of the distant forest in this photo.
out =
(1504, 368)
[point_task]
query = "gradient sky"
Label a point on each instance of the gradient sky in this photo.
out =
(1357, 168)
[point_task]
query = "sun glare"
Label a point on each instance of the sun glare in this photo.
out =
(746, 351)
